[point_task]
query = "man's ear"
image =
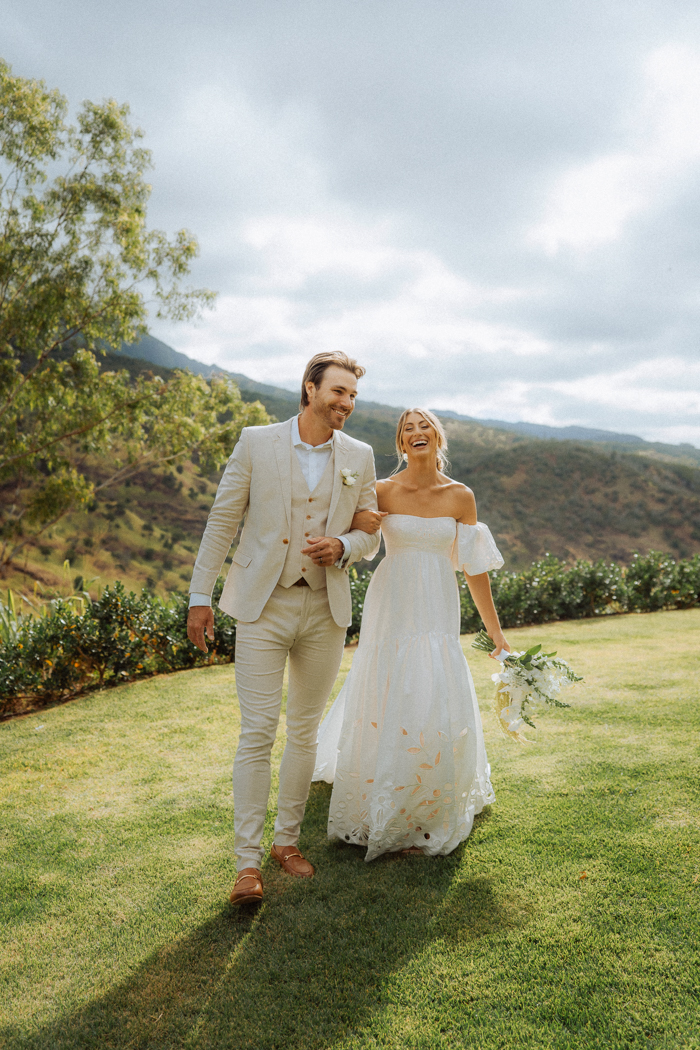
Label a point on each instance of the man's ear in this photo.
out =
(310, 388)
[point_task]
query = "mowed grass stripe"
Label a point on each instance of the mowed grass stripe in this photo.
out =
(569, 919)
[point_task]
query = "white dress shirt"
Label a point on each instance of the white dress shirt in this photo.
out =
(313, 460)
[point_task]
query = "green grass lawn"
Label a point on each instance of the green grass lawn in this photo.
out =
(570, 918)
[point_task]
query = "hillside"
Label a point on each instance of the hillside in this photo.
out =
(609, 440)
(160, 354)
(605, 496)
(146, 533)
(587, 499)
(577, 502)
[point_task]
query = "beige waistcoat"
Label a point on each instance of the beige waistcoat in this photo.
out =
(309, 517)
(257, 482)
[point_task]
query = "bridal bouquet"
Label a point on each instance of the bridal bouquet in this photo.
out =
(526, 679)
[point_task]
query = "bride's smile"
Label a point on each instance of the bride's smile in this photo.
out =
(418, 436)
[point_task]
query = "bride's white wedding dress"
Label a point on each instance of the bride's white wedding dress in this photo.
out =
(403, 744)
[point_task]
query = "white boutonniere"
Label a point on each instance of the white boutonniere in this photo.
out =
(348, 476)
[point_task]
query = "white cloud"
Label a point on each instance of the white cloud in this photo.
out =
(378, 301)
(375, 190)
(658, 399)
(665, 386)
(591, 203)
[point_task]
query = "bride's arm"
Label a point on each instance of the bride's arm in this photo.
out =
(370, 521)
(480, 589)
(480, 585)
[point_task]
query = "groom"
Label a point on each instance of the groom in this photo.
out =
(299, 484)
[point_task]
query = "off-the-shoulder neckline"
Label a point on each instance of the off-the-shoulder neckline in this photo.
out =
(436, 517)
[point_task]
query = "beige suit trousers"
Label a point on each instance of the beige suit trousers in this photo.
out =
(296, 622)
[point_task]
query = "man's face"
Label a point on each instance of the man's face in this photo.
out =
(334, 399)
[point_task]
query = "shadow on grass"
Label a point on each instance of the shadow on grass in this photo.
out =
(304, 970)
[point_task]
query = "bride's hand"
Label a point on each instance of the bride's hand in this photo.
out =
(368, 520)
(500, 643)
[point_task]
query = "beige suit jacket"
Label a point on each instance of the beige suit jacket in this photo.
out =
(258, 482)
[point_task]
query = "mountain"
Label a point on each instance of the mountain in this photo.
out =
(572, 491)
(609, 439)
(542, 430)
(159, 353)
(601, 495)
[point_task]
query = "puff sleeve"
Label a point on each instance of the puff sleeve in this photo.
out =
(475, 550)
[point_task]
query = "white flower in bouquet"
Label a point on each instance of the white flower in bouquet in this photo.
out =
(348, 476)
(526, 679)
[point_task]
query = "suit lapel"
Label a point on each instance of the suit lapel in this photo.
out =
(283, 454)
(341, 460)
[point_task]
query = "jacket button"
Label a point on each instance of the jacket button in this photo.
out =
(307, 533)
(311, 499)
(308, 517)
(303, 569)
(285, 541)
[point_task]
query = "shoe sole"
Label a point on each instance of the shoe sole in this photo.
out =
(252, 899)
(296, 874)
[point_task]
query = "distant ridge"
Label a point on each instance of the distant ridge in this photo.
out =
(154, 350)
(158, 353)
(575, 492)
(549, 433)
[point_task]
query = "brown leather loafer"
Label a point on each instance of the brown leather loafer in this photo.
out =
(248, 887)
(290, 860)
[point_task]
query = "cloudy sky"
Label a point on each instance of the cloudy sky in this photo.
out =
(494, 205)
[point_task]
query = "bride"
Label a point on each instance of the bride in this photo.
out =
(403, 744)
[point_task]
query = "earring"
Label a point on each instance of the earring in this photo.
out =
(405, 457)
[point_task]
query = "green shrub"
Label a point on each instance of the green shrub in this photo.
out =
(650, 582)
(359, 582)
(551, 590)
(686, 591)
(117, 638)
(82, 645)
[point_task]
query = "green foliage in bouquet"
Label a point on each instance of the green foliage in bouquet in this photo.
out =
(526, 679)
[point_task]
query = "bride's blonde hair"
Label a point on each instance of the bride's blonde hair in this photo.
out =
(429, 417)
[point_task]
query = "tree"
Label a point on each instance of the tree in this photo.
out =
(77, 262)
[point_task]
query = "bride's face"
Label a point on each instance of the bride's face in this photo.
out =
(418, 438)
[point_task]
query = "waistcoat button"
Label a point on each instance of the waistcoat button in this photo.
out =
(285, 541)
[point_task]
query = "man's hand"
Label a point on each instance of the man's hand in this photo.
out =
(200, 618)
(324, 550)
(368, 520)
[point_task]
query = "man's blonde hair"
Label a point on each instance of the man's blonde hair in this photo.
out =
(429, 417)
(316, 369)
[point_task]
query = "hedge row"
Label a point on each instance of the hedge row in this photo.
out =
(116, 639)
(121, 637)
(552, 590)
